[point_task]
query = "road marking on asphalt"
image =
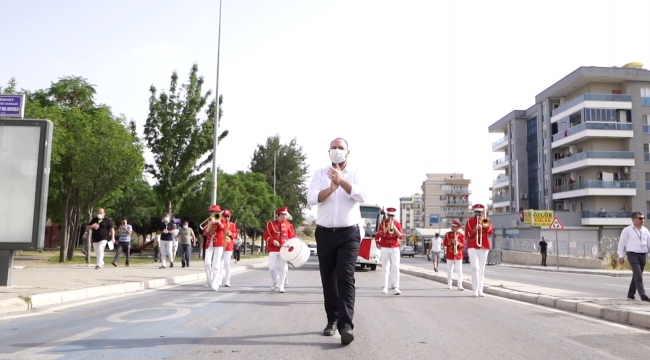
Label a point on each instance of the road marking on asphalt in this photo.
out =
(35, 352)
(180, 312)
(617, 285)
(579, 316)
(531, 276)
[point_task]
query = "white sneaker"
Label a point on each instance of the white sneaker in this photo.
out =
(475, 294)
(274, 286)
(392, 286)
(384, 290)
(206, 285)
(215, 287)
(481, 295)
(449, 286)
(397, 292)
(281, 289)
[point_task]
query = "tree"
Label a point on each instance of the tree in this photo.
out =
(11, 87)
(180, 138)
(291, 173)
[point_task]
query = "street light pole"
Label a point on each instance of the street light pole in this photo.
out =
(216, 121)
(275, 160)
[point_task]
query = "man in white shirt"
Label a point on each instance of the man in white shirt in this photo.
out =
(337, 193)
(634, 243)
(435, 248)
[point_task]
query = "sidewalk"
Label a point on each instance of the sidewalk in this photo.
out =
(602, 272)
(36, 284)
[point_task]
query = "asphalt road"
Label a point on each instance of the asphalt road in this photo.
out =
(247, 321)
(599, 285)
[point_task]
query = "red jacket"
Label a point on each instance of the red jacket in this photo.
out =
(233, 235)
(217, 235)
(280, 231)
(470, 235)
(448, 243)
(384, 239)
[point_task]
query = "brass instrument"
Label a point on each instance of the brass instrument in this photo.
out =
(391, 227)
(456, 243)
(483, 221)
(213, 218)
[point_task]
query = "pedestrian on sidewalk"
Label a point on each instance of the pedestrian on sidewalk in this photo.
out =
(542, 250)
(186, 239)
(634, 242)
(454, 245)
(124, 243)
(388, 240)
(477, 235)
(237, 249)
(166, 231)
(103, 232)
(337, 191)
(435, 248)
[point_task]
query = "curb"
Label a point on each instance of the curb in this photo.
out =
(568, 271)
(52, 298)
(585, 307)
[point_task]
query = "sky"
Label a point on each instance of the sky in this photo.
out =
(411, 85)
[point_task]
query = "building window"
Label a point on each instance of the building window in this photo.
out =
(645, 96)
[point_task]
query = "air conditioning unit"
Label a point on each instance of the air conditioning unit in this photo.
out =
(524, 196)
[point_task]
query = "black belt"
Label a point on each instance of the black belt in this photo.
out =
(337, 229)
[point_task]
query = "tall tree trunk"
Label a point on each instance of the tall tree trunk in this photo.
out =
(65, 227)
(88, 239)
(243, 247)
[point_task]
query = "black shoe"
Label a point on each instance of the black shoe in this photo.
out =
(171, 264)
(347, 336)
(330, 329)
(645, 298)
(114, 263)
(127, 264)
(183, 265)
(631, 297)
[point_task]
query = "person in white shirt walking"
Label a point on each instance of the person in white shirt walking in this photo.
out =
(337, 192)
(435, 249)
(634, 243)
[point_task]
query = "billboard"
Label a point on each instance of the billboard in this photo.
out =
(538, 218)
(12, 105)
(434, 219)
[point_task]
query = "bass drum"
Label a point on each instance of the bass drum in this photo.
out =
(295, 252)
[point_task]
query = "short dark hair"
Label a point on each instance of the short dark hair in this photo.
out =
(636, 214)
(437, 234)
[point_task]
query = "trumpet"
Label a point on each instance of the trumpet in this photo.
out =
(391, 227)
(455, 243)
(483, 221)
(213, 218)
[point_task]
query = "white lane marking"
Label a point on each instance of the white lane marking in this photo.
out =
(617, 285)
(34, 352)
(209, 300)
(531, 276)
(180, 312)
(91, 301)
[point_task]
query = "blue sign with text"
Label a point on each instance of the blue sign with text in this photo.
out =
(434, 219)
(12, 105)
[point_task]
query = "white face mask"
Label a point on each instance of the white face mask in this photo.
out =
(100, 216)
(337, 156)
(184, 226)
(166, 219)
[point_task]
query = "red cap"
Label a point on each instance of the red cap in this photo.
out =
(215, 208)
(478, 207)
(391, 211)
(455, 223)
(282, 210)
(226, 213)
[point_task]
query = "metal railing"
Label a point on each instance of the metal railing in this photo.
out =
(594, 155)
(500, 180)
(502, 140)
(592, 126)
(592, 97)
(588, 249)
(595, 184)
(500, 161)
(606, 214)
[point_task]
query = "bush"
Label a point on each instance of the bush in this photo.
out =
(308, 231)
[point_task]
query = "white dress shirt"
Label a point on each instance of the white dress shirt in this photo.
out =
(340, 209)
(633, 240)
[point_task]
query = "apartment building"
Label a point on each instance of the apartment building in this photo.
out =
(583, 147)
(445, 197)
(411, 214)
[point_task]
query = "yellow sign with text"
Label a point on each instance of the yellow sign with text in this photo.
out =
(538, 218)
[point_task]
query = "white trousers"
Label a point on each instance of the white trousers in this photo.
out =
(225, 263)
(390, 273)
(212, 261)
(99, 251)
(175, 247)
(458, 265)
(167, 250)
(278, 268)
(478, 258)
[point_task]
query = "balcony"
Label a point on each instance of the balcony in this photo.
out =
(593, 158)
(500, 144)
(459, 202)
(502, 201)
(594, 188)
(459, 213)
(501, 182)
(458, 191)
(645, 101)
(597, 101)
(500, 163)
(587, 130)
(606, 217)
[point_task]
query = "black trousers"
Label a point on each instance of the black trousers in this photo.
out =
(186, 253)
(338, 249)
(543, 258)
(126, 248)
(637, 263)
(237, 254)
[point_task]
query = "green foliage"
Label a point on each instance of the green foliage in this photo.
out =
(11, 87)
(179, 138)
(308, 231)
(291, 173)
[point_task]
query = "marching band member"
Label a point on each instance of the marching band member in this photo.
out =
(230, 235)
(454, 243)
(389, 236)
(276, 233)
(477, 232)
(214, 234)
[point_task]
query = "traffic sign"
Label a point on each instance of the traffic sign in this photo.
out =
(556, 224)
(12, 105)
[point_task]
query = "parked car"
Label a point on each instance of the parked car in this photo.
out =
(407, 251)
(312, 249)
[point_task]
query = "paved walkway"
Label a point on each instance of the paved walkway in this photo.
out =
(562, 269)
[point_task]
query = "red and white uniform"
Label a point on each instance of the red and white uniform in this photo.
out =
(389, 245)
(227, 254)
(214, 233)
(279, 231)
(478, 254)
(454, 261)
